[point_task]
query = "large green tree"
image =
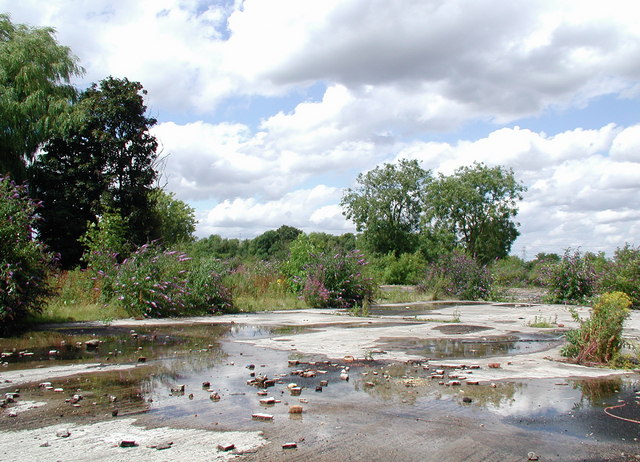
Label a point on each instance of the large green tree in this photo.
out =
(176, 220)
(35, 91)
(477, 206)
(387, 206)
(107, 161)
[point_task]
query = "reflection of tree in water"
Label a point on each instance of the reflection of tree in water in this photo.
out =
(596, 391)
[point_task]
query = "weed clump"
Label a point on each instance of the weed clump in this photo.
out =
(599, 338)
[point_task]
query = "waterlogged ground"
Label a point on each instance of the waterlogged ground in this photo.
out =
(406, 383)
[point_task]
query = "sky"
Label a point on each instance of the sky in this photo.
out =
(268, 109)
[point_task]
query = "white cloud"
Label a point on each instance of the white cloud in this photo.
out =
(394, 74)
(305, 209)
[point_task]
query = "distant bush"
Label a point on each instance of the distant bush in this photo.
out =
(408, 268)
(511, 271)
(572, 280)
(337, 280)
(623, 274)
(458, 275)
(25, 263)
(599, 338)
(155, 283)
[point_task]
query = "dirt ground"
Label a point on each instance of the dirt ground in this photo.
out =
(418, 421)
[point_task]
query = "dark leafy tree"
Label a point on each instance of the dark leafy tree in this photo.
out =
(106, 161)
(176, 220)
(477, 205)
(274, 243)
(35, 91)
(387, 206)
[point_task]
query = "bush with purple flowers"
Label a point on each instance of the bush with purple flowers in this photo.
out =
(458, 275)
(156, 283)
(337, 279)
(24, 261)
(572, 280)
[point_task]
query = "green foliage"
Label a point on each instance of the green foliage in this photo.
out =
(218, 247)
(572, 280)
(302, 253)
(104, 242)
(408, 268)
(457, 275)
(176, 220)
(24, 261)
(107, 159)
(35, 91)
(477, 205)
(337, 280)
(155, 283)
(599, 338)
(622, 274)
(511, 271)
(273, 243)
(387, 205)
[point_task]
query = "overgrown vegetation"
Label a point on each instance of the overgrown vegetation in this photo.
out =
(458, 275)
(24, 261)
(599, 338)
(125, 246)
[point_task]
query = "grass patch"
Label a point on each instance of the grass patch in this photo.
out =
(58, 311)
(391, 294)
(268, 302)
(543, 323)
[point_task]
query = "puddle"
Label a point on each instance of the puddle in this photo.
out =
(169, 390)
(471, 348)
(415, 309)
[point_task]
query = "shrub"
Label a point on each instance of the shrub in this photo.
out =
(623, 274)
(337, 280)
(510, 271)
(599, 338)
(572, 280)
(458, 275)
(156, 283)
(408, 268)
(24, 261)
(256, 279)
(302, 252)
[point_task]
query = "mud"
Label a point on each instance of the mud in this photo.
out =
(378, 388)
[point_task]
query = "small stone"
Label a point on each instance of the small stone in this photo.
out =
(494, 365)
(532, 456)
(324, 383)
(214, 396)
(295, 391)
(289, 446)
(142, 359)
(268, 401)
(295, 409)
(369, 384)
(164, 445)
(128, 444)
(226, 447)
(58, 390)
(206, 384)
(260, 416)
(63, 433)
(13, 413)
(467, 400)
(114, 413)
(92, 344)
(319, 388)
